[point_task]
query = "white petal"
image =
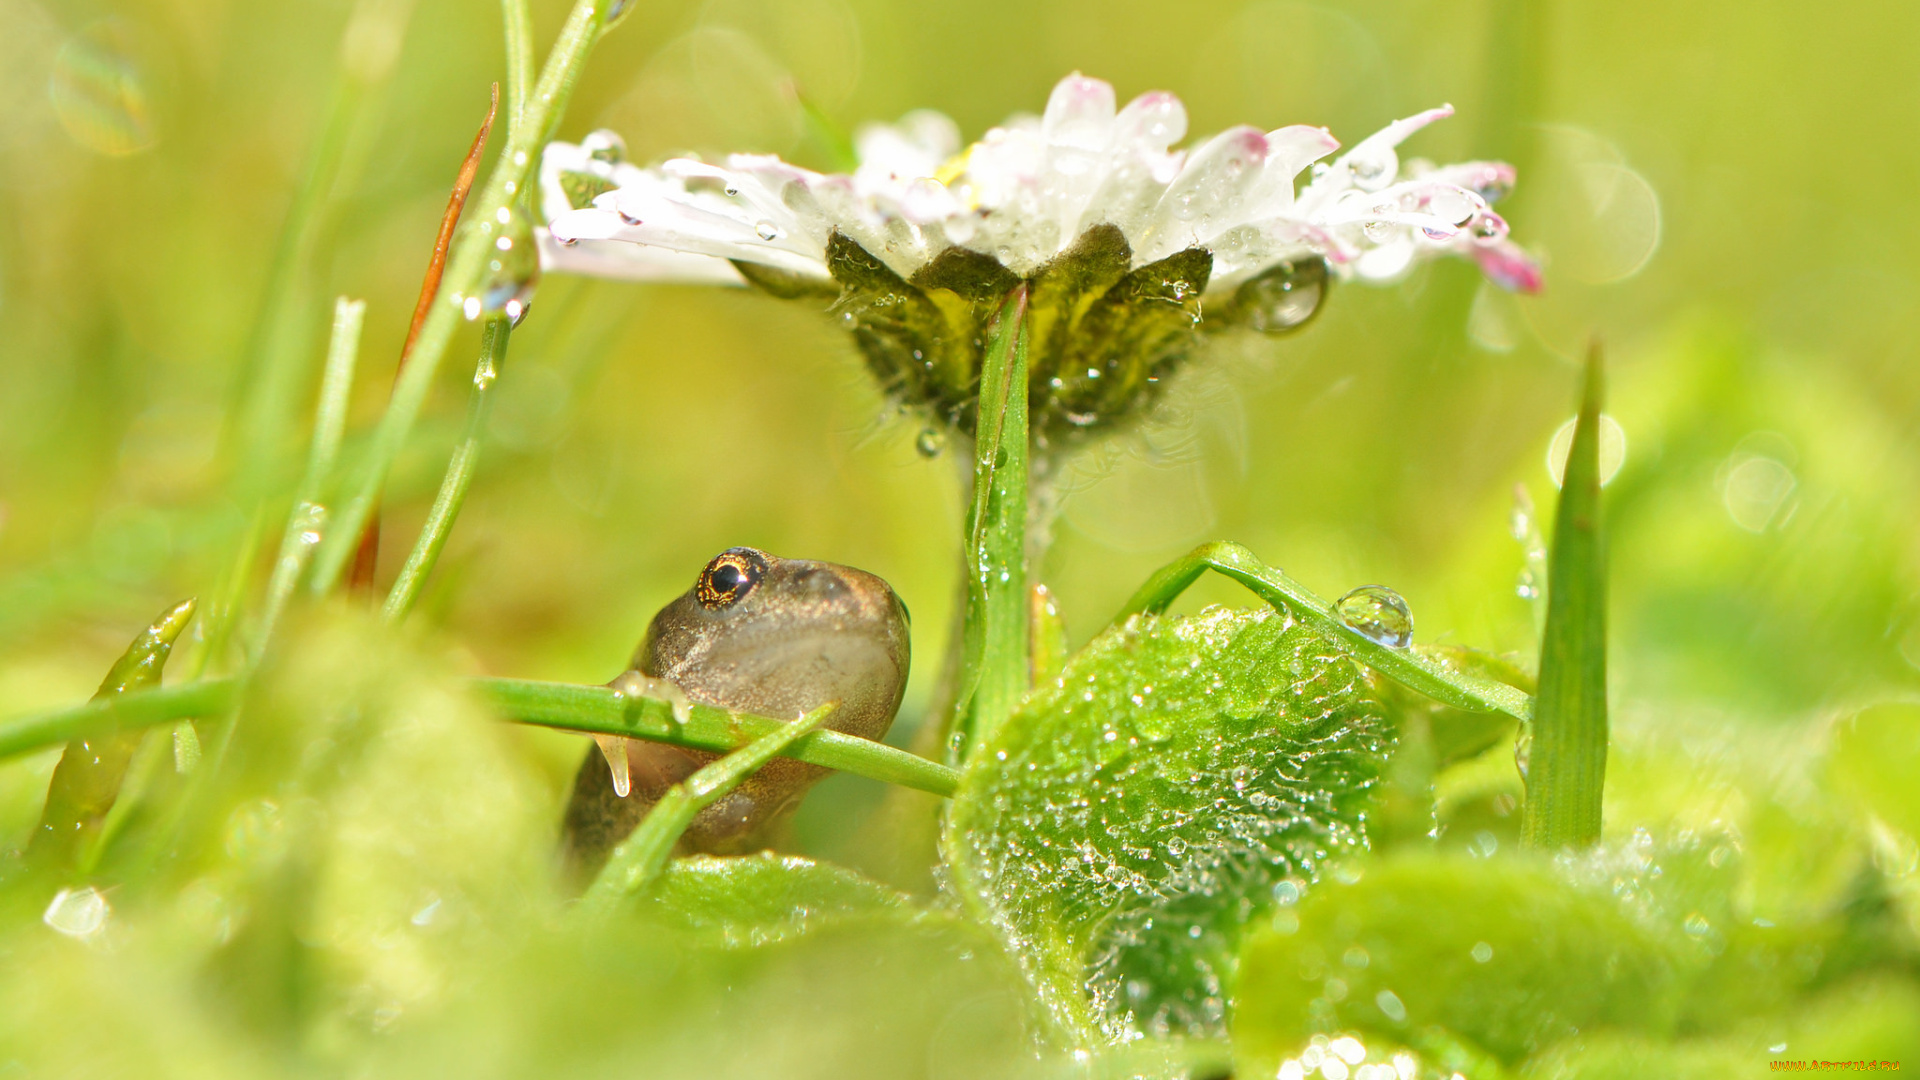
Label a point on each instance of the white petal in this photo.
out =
(632, 262)
(1152, 122)
(1289, 150)
(1199, 204)
(678, 227)
(1079, 114)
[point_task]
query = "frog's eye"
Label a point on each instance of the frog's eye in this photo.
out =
(729, 578)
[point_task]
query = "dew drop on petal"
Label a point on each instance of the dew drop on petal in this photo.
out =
(766, 230)
(1378, 614)
(1283, 298)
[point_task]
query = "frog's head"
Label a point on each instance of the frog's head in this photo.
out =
(778, 637)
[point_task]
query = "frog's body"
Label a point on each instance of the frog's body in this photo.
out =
(756, 634)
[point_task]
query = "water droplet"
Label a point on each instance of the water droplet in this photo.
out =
(1482, 952)
(1378, 614)
(77, 913)
(1523, 749)
(616, 11)
(766, 230)
(614, 749)
(1176, 846)
(930, 442)
(512, 271)
(1373, 169)
(1282, 298)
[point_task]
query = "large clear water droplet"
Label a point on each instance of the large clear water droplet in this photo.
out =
(512, 269)
(930, 442)
(1282, 298)
(1377, 613)
(77, 913)
(767, 230)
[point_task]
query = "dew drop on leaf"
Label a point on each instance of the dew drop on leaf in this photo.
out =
(1378, 613)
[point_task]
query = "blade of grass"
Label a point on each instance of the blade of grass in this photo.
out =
(511, 175)
(459, 476)
(996, 666)
(87, 780)
(590, 709)
(598, 710)
(278, 357)
(1567, 754)
(637, 862)
(366, 556)
(307, 519)
(1410, 669)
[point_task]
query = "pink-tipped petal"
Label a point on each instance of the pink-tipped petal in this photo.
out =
(1507, 266)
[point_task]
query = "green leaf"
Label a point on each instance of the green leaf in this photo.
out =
(1567, 752)
(1503, 954)
(1123, 825)
(764, 898)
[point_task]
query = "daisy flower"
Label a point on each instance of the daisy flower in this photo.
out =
(1123, 239)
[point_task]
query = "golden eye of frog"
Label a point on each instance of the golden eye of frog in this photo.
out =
(756, 634)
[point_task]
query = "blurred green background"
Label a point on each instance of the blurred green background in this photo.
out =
(1714, 189)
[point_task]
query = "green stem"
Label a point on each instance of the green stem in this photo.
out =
(511, 174)
(518, 22)
(1410, 669)
(592, 709)
(1566, 768)
(637, 862)
(995, 671)
(87, 780)
(459, 477)
(307, 518)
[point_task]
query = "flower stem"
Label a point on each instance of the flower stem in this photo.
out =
(511, 174)
(517, 19)
(1567, 754)
(459, 477)
(637, 862)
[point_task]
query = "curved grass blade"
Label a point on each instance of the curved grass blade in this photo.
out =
(87, 780)
(1567, 755)
(637, 862)
(1410, 669)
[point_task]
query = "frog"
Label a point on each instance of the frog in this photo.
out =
(755, 634)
